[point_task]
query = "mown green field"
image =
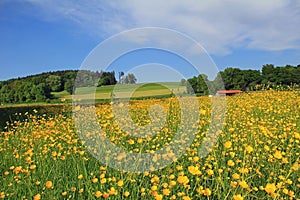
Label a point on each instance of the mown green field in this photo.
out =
(125, 91)
(257, 154)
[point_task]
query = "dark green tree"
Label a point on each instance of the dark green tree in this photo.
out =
(107, 78)
(69, 84)
(198, 85)
(250, 79)
(54, 83)
(268, 73)
(191, 85)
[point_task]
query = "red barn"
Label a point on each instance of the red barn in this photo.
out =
(229, 92)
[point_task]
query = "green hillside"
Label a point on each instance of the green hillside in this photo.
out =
(138, 90)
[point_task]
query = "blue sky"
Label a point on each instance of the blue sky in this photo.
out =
(40, 36)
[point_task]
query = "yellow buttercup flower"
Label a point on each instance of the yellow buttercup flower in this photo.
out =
(278, 155)
(73, 189)
(194, 170)
(103, 180)
(243, 184)
(2, 195)
(98, 194)
(202, 112)
(234, 184)
(95, 180)
(37, 197)
(112, 191)
(238, 197)
(235, 176)
(270, 188)
(32, 167)
(105, 195)
(210, 172)
(249, 149)
(186, 198)
(154, 188)
(227, 145)
(80, 176)
(49, 184)
(126, 194)
(172, 183)
(207, 192)
(130, 141)
(120, 183)
(230, 163)
(183, 180)
(166, 192)
(158, 197)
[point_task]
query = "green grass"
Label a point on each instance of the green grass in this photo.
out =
(60, 94)
(139, 90)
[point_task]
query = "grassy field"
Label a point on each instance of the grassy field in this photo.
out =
(256, 156)
(124, 91)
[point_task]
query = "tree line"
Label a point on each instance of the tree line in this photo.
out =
(39, 88)
(285, 77)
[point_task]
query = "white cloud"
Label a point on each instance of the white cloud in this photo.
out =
(219, 25)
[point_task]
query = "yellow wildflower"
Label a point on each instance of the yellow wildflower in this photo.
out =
(207, 192)
(194, 170)
(49, 184)
(237, 197)
(270, 188)
(126, 194)
(98, 194)
(227, 144)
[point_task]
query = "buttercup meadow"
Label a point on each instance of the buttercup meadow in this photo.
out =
(256, 155)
